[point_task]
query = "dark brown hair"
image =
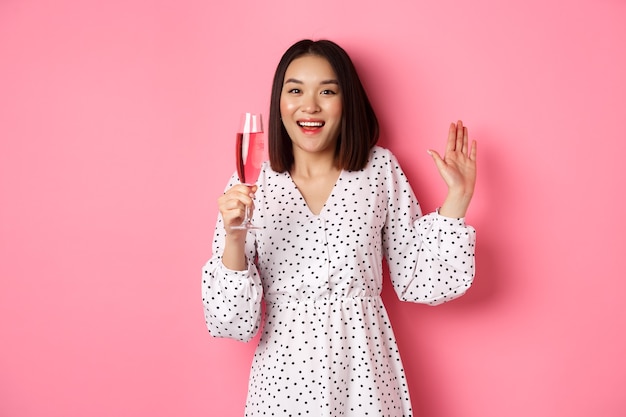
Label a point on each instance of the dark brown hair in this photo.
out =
(359, 125)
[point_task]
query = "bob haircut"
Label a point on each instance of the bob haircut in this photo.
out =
(359, 126)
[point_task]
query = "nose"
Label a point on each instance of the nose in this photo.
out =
(309, 104)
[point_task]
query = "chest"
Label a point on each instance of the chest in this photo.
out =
(316, 191)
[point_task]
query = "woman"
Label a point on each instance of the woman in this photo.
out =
(333, 205)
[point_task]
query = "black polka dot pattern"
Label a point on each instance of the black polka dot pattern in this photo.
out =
(327, 347)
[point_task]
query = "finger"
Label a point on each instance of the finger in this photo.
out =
(451, 138)
(238, 215)
(472, 154)
(465, 141)
(231, 199)
(459, 136)
(232, 214)
(439, 162)
(231, 208)
(243, 189)
(232, 205)
(242, 192)
(251, 189)
(235, 215)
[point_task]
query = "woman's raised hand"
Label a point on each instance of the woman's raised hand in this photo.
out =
(458, 169)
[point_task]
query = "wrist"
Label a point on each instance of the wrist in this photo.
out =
(455, 205)
(234, 257)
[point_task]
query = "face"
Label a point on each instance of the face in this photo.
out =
(311, 106)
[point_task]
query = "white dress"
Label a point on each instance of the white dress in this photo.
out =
(327, 347)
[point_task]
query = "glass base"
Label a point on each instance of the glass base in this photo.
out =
(246, 226)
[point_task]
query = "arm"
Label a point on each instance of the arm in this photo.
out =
(232, 205)
(231, 285)
(430, 258)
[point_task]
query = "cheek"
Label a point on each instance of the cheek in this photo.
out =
(286, 107)
(334, 106)
(285, 111)
(336, 110)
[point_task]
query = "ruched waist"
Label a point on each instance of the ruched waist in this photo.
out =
(289, 298)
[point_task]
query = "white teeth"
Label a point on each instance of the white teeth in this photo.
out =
(311, 124)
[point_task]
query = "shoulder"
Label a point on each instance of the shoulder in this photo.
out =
(380, 151)
(270, 178)
(382, 158)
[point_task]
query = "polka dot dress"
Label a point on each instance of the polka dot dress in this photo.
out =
(327, 347)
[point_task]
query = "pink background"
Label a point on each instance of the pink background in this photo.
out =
(116, 129)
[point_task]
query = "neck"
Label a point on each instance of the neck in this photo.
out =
(313, 165)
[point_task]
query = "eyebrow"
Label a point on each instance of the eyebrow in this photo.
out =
(296, 81)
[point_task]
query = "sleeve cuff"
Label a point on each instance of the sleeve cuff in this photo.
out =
(227, 271)
(452, 222)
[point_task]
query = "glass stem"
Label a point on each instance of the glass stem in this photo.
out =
(246, 218)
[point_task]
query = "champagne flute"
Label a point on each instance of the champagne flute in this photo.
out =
(250, 153)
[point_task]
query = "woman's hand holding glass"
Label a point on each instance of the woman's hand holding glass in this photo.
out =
(233, 204)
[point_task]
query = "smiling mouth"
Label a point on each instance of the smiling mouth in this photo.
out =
(311, 124)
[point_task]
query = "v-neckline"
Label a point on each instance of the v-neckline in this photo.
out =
(328, 198)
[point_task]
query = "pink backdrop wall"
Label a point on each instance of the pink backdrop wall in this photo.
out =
(116, 128)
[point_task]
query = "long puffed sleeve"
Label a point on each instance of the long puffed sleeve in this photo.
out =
(232, 299)
(430, 258)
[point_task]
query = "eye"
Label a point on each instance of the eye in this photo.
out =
(294, 91)
(327, 92)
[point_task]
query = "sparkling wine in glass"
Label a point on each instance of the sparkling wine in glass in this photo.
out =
(250, 154)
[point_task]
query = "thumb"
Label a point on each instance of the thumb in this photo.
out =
(252, 189)
(437, 158)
